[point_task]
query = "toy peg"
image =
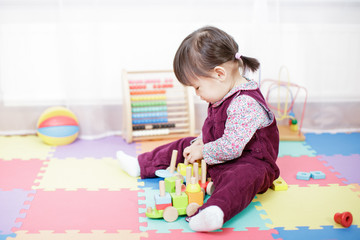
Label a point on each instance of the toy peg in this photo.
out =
(162, 188)
(345, 219)
(196, 171)
(149, 210)
(173, 161)
(186, 162)
(188, 174)
(170, 171)
(178, 184)
(203, 172)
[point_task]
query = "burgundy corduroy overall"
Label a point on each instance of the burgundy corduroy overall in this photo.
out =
(236, 181)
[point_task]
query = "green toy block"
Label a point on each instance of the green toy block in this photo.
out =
(170, 184)
(154, 213)
(180, 201)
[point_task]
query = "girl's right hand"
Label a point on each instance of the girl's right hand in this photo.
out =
(194, 151)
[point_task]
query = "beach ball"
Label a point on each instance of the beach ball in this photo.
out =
(57, 126)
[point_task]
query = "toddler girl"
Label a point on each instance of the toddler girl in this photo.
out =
(239, 139)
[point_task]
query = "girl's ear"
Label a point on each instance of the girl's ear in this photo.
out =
(220, 73)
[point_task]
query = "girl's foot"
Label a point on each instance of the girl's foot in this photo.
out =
(128, 163)
(207, 220)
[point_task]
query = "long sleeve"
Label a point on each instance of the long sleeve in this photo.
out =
(245, 116)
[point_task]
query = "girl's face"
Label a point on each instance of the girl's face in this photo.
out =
(210, 89)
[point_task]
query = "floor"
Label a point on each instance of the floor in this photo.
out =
(79, 192)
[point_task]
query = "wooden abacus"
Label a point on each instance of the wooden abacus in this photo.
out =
(156, 106)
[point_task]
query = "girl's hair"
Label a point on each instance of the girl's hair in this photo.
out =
(203, 50)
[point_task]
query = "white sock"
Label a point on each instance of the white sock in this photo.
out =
(128, 163)
(207, 220)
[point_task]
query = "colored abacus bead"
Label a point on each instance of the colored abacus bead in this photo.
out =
(345, 219)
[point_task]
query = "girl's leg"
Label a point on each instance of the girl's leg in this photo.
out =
(236, 184)
(160, 157)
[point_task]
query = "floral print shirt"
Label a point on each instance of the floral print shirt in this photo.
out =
(245, 116)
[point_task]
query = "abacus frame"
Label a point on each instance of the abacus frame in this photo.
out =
(184, 129)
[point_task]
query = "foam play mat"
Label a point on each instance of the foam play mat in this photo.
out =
(78, 191)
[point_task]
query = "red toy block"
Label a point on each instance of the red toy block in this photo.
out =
(162, 206)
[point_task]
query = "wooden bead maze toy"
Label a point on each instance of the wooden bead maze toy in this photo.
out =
(156, 106)
(288, 124)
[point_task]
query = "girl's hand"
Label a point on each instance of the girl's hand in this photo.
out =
(194, 152)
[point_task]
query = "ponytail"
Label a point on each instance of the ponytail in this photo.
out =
(250, 63)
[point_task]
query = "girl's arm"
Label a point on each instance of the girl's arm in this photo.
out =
(245, 116)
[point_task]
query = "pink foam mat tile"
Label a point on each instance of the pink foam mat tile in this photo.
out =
(98, 148)
(225, 233)
(345, 166)
(76, 235)
(19, 173)
(290, 166)
(82, 210)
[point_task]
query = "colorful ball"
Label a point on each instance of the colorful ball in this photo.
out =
(58, 126)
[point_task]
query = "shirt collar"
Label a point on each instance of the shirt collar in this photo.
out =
(249, 85)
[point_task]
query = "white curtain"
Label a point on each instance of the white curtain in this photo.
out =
(71, 52)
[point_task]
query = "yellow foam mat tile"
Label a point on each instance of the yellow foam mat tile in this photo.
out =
(87, 173)
(24, 147)
(75, 235)
(313, 206)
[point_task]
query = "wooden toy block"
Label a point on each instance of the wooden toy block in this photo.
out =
(196, 197)
(162, 206)
(193, 186)
(303, 176)
(317, 175)
(162, 197)
(154, 213)
(180, 201)
(279, 185)
(170, 184)
(182, 168)
(194, 192)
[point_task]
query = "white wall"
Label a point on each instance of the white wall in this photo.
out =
(72, 51)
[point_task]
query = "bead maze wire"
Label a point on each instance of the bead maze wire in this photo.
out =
(293, 131)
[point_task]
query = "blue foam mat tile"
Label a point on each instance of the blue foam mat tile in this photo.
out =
(328, 232)
(249, 217)
(295, 149)
(152, 183)
(6, 236)
(332, 144)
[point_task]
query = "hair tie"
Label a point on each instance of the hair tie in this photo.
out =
(237, 55)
